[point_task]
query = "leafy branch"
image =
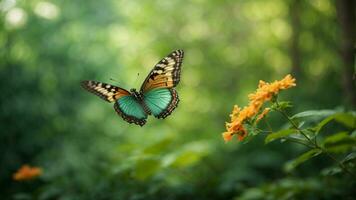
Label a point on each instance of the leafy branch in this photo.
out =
(312, 144)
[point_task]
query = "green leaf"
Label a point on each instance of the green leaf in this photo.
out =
(339, 142)
(158, 146)
(347, 119)
(146, 168)
(300, 124)
(329, 171)
(291, 165)
(322, 113)
(278, 135)
(353, 134)
(337, 137)
(322, 124)
(340, 148)
(282, 105)
(186, 159)
(190, 154)
(285, 104)
(349, 157)
(252, 193)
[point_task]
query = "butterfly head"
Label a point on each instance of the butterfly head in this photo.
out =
(136, 94)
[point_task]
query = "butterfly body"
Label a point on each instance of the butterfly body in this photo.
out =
(140, 98)
(156, 96)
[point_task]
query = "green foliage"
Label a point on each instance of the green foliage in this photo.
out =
(313, 113)
(342, 143)
(291, 165)
(305, 133)
(282, 105)
(87, 152)
(280, 134)
(289, 188)
(339, 142)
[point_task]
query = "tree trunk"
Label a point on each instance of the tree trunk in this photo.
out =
(346, 17)
(294, 11)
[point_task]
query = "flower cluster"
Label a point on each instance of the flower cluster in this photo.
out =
(27, 172)
(265, 92)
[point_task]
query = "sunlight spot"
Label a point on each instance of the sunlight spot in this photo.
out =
(235, 55)
(149, 59)
(191, 77)
(21, 51)
(119, 35)
(203, 105)
(197, 55)
(278, 60)
(6, 5)
(131, 41)
(264, 32)
(323, 6)
(197, 30)
(130, 8)
(263, 10)
(317, 67)
(46, 10)
(280, 29)
(16, 17)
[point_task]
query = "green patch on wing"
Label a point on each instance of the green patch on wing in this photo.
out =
(157, 100)
(129, 106)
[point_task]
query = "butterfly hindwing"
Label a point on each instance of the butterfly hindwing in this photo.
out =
(166, 73)
(105, 91)
(161, 102)
(130, 110)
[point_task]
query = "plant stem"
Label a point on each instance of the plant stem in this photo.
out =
(342, 166)
(294, 125)
(299, 142)
(313, 144)
(268, 125)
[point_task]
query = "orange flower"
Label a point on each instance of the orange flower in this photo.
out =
(242, 134)
(263, 114)
(227, 136)
(264, 93)
(27, 172)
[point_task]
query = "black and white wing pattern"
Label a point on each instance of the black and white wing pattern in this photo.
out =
(166, 73)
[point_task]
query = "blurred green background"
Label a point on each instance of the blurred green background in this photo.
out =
(88, 152)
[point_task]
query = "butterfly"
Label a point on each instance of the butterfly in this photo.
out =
(156, 96)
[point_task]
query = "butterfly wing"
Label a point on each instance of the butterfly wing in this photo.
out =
(105, 91)
(161, 101)
(125, 104)
(130, 110)
(166, 73)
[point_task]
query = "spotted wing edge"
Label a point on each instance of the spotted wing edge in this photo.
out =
(177, 56)
(128, 118)
(105, 91)
(173, 104)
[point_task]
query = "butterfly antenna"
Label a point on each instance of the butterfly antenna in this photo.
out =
(111, 79)
(138, 74)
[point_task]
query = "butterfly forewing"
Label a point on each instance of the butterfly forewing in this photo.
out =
(166, 73)
(105, 91)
